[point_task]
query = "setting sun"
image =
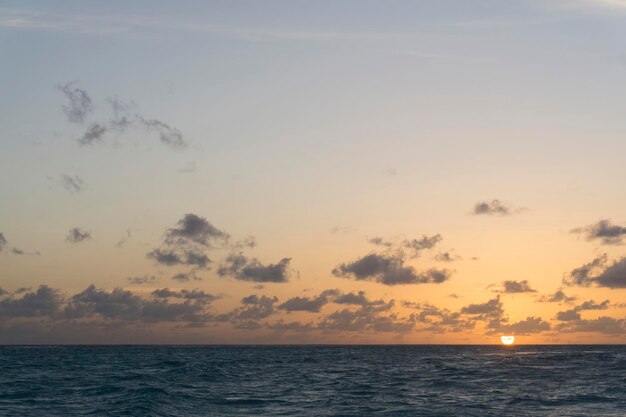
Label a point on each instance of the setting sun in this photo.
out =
(507, 340)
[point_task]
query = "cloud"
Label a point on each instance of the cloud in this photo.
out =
(599, 272)
(254, 308)
(356, 299)
(146, 279)
(44, 302)
(16, 251)
(607, 233)
(558, 297)
(530, 325)
(425, 242)
(379, 241)
(194, 229)
(515, 287)
(186, 277)
(490, 208)
(94, 134)
(388, 270)
(80, 104)
(574, 313)
(197, 295)
(183, 257)
(242, 268)
(125, 238)
(167, 134)
(446, 257)
(605, 325)
(313, 304)
(123, 305)
(72, 183)
(77, 235)
(187, 243)
(189, 168)
(367, 318)
(3, 242)
(489, 309)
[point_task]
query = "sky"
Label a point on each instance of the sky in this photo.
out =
(416, 171)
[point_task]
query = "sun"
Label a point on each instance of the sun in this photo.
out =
(507, 340)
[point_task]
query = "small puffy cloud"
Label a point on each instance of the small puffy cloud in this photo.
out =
(186, 277)
(146, 279)
(367, 318)
(491, 208)
(515, 287)
(425, 242)
(604, 231)
(243, 268)
(379, 241)
(446, 257)
(388, 270)
(255, 308)
(80, 104)
(196, 295)
(492, 308)
(310, 304)
(599, 272)
(183, 257)
(17, 251)
(356, 299)
(77, 235)
(558, 296)
(3, 242)
(194, 229)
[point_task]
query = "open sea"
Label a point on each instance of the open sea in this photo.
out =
(421, 380)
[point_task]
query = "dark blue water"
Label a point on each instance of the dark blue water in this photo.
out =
(314, 381)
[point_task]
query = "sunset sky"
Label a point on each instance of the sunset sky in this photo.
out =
(418, 171)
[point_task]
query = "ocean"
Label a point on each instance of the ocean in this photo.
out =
(553, 380)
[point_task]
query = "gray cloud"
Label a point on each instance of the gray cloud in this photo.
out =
(44, 302)
(530, 325)
(123, 305)
(313, 304)
(125, 238)
(77, 235)
(388, 270)
(254, 308)
(493, 207)
(183, 257)
(186, 277)
(607, 233)
(16, 251)
(367, 318)
(606, 325)
(356, 299)
(194, 229)
(515, 287)
(574, 313)
(122, 119)
(3, 242)
(599, 272)
(94, 134)
(72, 183)
(167, 134)
(197, 295)
(242, 268)
(425, 242)
(379, 241)
(80, 104)
(146, 279)
(446, 257)
(559, 296)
